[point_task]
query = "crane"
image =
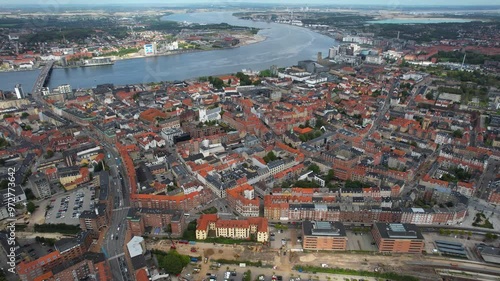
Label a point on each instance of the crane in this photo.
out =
(172, 247)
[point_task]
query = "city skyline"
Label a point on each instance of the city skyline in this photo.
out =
(390, 3)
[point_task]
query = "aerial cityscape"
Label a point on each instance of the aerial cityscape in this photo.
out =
(207, 140)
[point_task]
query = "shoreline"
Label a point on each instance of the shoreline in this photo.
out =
(248, 40)
(245, 40)
(19, 70)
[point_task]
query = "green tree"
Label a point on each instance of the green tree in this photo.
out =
(270, 157)
(319, 123)
(99, 167)
(458, 134)
(217, 83)
(315, 168)
(429, 96)
(172, 262)
(247, 276)
(3, 142)
(330, 175)
(49, 154)
(25, 114)
(30, 207)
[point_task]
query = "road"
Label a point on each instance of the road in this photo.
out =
(114, 240)
(383, 111)
(489, 175)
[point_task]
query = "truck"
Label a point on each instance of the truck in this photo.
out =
(243, 265)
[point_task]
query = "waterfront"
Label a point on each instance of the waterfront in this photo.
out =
(419, 20)
(285, 45)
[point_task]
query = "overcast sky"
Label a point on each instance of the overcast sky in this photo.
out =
(391, 3)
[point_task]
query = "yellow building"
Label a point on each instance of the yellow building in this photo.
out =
(234, 229)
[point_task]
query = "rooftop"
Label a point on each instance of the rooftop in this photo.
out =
(323, 228)
(398, 231)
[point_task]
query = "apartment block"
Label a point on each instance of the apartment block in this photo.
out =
(95, 219)
(242, 199)
(139, 219)
(210, 224)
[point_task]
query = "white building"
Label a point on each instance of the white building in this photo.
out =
(136, 246)
(19, 92)
(209, 114)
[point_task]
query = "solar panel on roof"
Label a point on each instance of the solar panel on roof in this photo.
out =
(397, 227)
(449, 243)
(449, 251)
(439, 246)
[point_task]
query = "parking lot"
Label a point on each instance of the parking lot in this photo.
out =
(287, 235)
(68, 207)
(269, 274)
(360, 241)
(32, 250)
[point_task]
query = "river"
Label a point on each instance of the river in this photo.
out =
(284, 46)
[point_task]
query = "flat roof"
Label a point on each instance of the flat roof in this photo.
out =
(323, 228)
(490, 251)
(398, 231)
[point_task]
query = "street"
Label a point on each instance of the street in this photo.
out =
(114, 241)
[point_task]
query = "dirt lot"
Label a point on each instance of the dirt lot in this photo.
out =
(357, 261)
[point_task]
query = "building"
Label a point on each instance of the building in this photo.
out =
(489, 253)
(398, 238)
(71, 177)
(72, 248)
(40, 185)
(136, 246)
(150, 49)
(155, 221)
(323, 235)
(64, 89)
(28, 271)
(235, 229)
(95, 219)
(90, 266)
(494, 196)
(136, 253)
(6, 195)
(242, 199)
(19, 92)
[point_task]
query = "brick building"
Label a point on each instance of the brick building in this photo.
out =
(72, 248)
(90, 266)
(323, 235)
(398, 238)
(140, 219)
(95, 219)
(28, 271)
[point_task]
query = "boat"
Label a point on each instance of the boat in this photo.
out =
(98, 62)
